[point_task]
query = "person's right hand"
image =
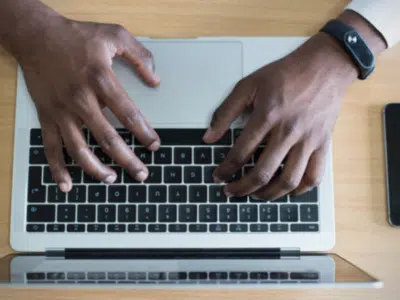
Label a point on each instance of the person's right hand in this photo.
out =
(68, 73)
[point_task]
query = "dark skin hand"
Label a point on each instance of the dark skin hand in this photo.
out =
(295, 102)
(69, 76)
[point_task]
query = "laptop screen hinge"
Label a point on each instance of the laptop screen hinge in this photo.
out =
(265, 253)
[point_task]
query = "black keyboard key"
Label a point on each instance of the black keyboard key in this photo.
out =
(259, 275)
(248, 213)
(216, 194)
(182, 156)
(197, 275)
(283, 199)
(76, 228)
(188, 137)
(311, 196)
(137, 276)
(36, 276)
(208, 174)
(117, 194)
(304, 275)
(66, 213)
(96, 275)
(238, 275)
(136, 228)
(218, 228)
(172, 174)
(220, 154)
(126, 136)
(47, 176)
(126, 213)
(55, 227)
(188, 213)
(116, 228)
(86, 213)
(157, 194)
(288, 213)
(96, 228)
(163, 156)
(202, 156)
(304, 227)
(228, 213)
(68, 159)
(197, 193)
(37, 156)
(238, 228)
(36, 137)
(118, 172)
(238, 199)
(36, 191)
(90, 179)
(147, 213)
(218, 275)
(208, 213)
(279, 275)
(97, 194)
(55, 276)
(193, 174)
(177, 275)
(137, 194)
(157, 228)
(77, 194)
(258, 227)
(104, 158)
(268, 213)
(154, 175)
(167, 213)
(75, 173)
(197, 228)
(144, 155)
(157, 276)
(92, 140)
(257, 154)
(279, 227)
(55, 195)
(177, 228)
(41, 213)
(35, 228)
(106, 213)
(309, 213)
(177, 193)
(128, 178)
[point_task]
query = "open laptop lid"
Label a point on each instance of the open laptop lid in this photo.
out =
(304, 271)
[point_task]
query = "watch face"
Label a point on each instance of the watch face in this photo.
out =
(360, 49)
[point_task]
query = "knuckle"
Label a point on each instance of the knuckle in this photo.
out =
(261, 177)
(99, 77)
(311, 180)
(131, 118)
(291, 127)
(289, 182)
(119, 31)
(109, 141)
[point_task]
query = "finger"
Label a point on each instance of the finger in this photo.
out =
(78, 149)
(136, 54)
(53, 149)
(229, 110)
(314, 171)
(113, 145)
(265, 168)
(252, 136)
(290, 177)
(113, 94)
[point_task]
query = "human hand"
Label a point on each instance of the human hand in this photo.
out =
(68, 72)
(295, 102)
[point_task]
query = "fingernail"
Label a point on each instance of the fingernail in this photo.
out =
(110, 179)
(216, 179)
(154, 146)
(228, 194)
(156, 77)
(142, 175)
(64, 187)
(208, 134)
(255, 197)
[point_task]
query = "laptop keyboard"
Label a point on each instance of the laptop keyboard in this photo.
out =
(179, 195)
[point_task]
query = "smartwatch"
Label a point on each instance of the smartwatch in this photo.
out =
(354, 45)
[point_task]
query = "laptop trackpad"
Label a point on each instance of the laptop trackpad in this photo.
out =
(196, 76)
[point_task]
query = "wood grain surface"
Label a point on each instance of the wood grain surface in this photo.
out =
(363, 234)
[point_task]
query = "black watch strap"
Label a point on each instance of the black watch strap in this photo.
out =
(354, 45)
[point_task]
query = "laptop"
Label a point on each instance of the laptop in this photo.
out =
(178, 211)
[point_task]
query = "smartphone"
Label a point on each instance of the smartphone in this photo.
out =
(391, 126)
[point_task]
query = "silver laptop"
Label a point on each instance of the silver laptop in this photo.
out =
(179, 206)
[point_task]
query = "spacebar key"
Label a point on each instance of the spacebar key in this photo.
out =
(188, 137)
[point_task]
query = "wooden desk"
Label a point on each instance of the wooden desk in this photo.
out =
(363, 234)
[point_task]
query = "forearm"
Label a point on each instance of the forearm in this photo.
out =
(22, 22)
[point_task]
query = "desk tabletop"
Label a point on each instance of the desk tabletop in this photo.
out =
(363, 234)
